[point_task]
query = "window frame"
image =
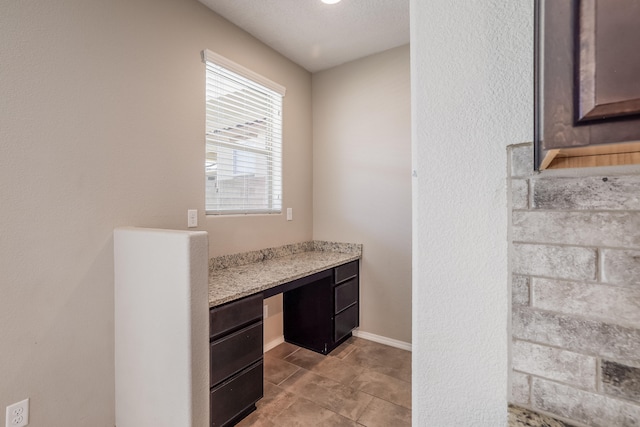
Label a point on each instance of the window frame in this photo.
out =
(274, 94)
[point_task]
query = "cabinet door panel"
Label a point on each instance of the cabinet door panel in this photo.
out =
(345, 322)
(608, 66)
(346, 271)
(236, 396)
(345, 294)
(229, 317)
(234, 352)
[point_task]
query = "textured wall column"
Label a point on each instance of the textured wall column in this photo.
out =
(471, 89)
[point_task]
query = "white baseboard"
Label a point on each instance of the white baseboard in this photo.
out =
(273, 343)
(382, 340)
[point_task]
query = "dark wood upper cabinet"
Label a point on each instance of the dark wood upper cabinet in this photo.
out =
(587, 87)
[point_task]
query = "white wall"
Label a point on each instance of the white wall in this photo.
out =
(161, 328)
(101, 125)
(362, 179)
(471, 66)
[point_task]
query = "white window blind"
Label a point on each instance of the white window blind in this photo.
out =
(243, 165)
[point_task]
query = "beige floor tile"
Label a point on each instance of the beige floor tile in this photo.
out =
(381, 413)
(303, 413)
(328, 393)
(326, 366)
(337, 370)
(256, 419)
(343, 350)
(277, 370)
(304, 358)
(360, 342)
(384, 387)
(275, 401)
(384, 359)
(282, 350)
(360, 383)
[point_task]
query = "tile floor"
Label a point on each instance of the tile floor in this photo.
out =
(360, 383)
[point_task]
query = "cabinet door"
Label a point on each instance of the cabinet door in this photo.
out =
(345, 322)
(232, 316)
(587, 78)
(608, 62)
(346, 271)
(345, 294)
(235, 398)
(234, 352)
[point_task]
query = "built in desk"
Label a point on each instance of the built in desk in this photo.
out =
(320, 286)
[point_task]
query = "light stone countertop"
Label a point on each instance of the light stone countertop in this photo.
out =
(235, 276)
(523, 417)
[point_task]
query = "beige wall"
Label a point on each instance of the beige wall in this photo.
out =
(362, 179)
(101, 125)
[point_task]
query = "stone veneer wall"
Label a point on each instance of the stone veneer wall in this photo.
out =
(575, 264)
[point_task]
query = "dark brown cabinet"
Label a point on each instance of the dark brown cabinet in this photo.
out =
(322, 315)
(587, 83)
(235, 359)
(320, 311)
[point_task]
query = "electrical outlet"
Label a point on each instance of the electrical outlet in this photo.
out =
(266, 311)
(18, 414)
(289, 214)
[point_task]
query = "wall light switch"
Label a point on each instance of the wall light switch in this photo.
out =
(192, 218)
(289, 214)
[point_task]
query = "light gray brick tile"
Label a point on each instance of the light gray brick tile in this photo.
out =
(621, 267)
(520, 388)
(555, 261)
(520, 290)
(556, 364)
(621, 380)
(591, 337)
(589, 408)
(522, 160)
(519, 194)
(608, 303)
(617, 229)
(595, 192)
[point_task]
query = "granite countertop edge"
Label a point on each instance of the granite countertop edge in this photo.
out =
(524, 417)
(232, 277)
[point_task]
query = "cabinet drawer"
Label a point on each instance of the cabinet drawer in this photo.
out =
(234, 352)
(347, 271)
(232, 316)
(345, 322)
(345, 294)
(236, 396)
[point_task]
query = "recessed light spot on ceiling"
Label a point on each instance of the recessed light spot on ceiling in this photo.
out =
(330, 1)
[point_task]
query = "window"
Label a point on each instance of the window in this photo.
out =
(243, 165)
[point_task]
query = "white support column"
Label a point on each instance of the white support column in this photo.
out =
(161, 328)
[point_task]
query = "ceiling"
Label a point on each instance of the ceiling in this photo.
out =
(318, 36)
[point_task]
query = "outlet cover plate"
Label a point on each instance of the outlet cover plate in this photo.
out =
(18, 414)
